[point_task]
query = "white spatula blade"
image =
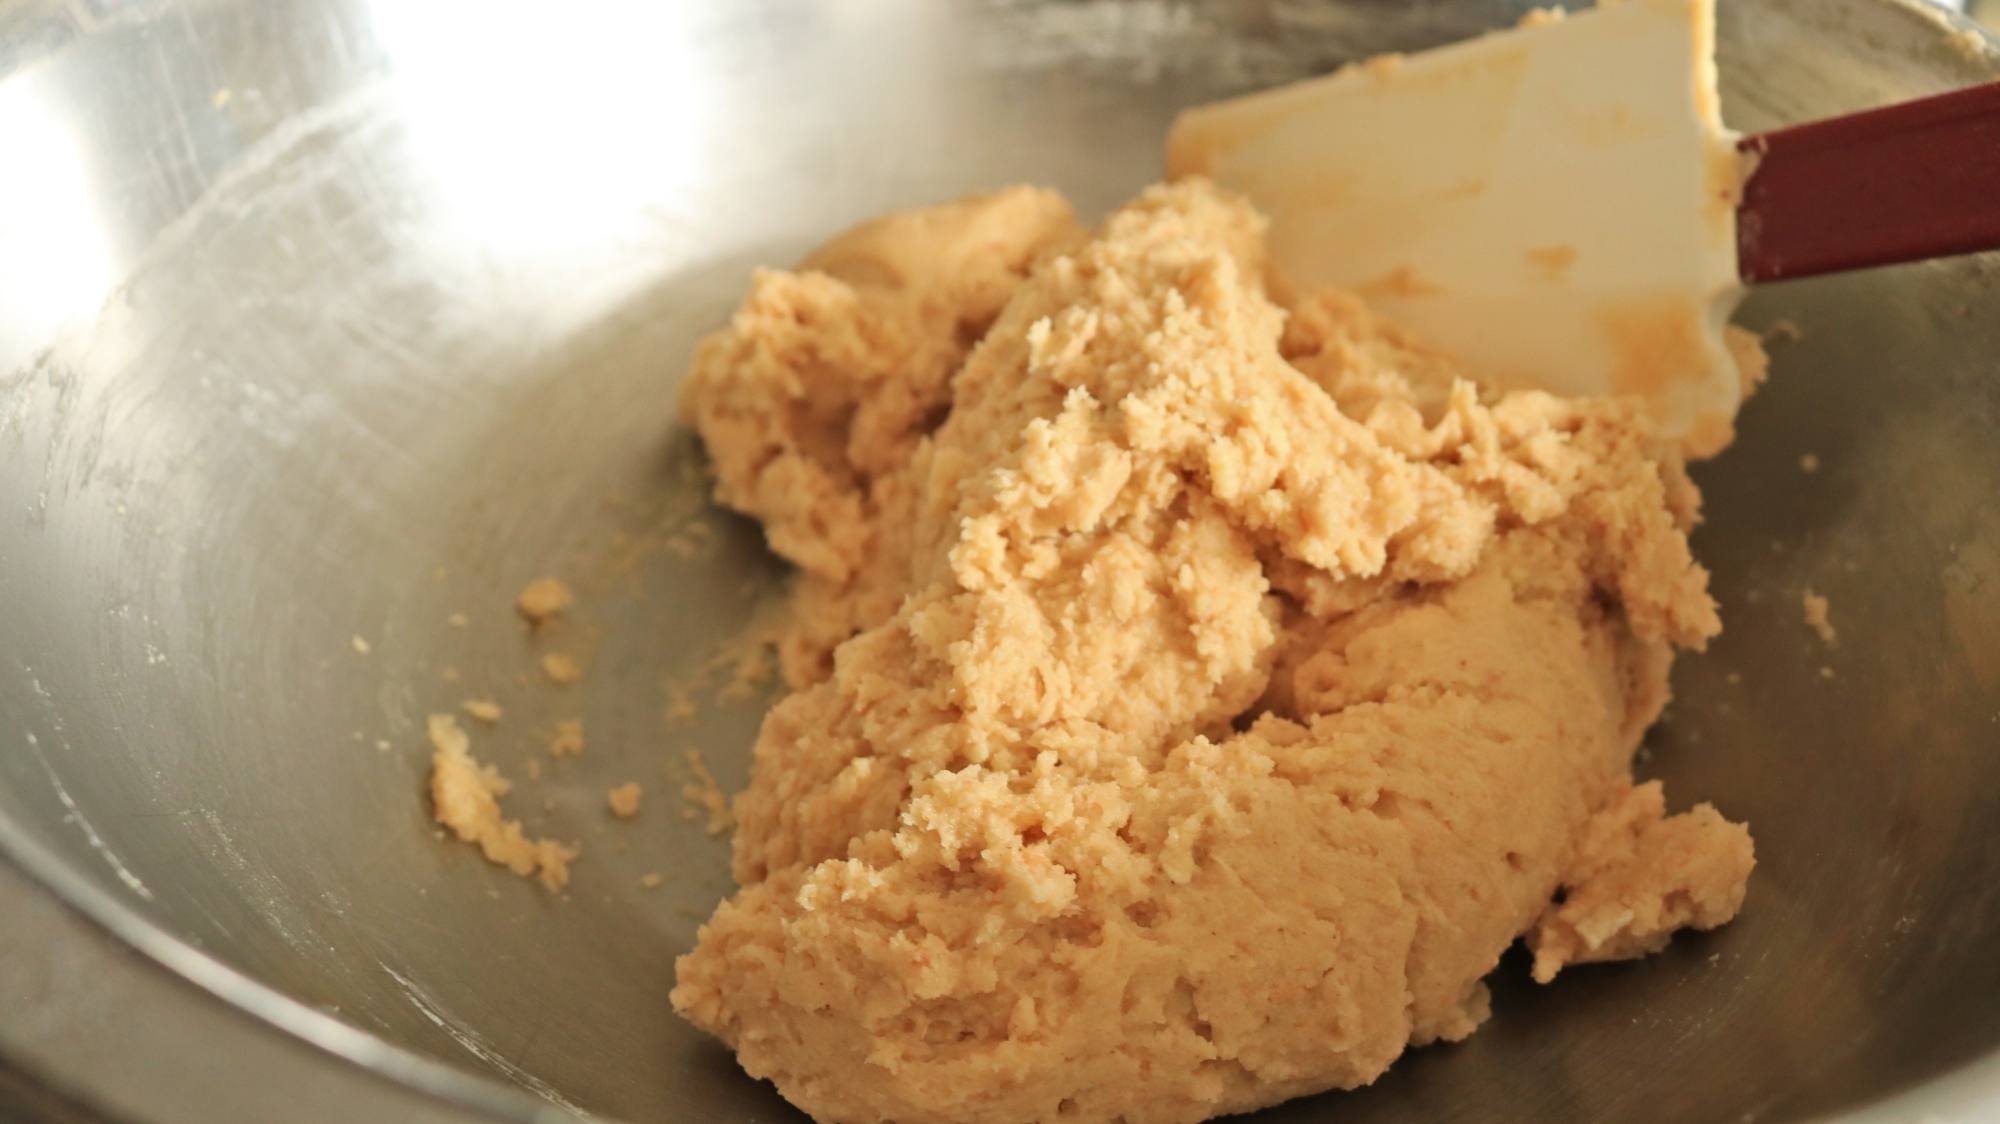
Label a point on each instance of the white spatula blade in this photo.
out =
(1555, 203)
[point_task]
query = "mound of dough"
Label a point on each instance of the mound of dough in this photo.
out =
(1193, 696)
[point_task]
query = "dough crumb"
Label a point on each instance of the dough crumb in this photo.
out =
(1816, 617)
(1783, 331)
(624, 800)
(361, 646)
(650, 881)
(458, 620)
(560, 669)
(680, 707)
(543, 599)
(1809, 463)
(568, 739)
(753, 670)
(534, 768)
(449, 674)
(705, 795)
(1541, 17)
(465, 798)
(482, 710)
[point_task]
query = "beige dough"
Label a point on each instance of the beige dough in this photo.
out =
(1817, 610)
(624, 800)
(1193, 696)
(465, 797)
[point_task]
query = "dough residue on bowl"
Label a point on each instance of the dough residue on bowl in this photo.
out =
(1818, 617)
(623, 800)
(544, 599)
(561, 669)
(705, 797)
(465, 797)
(568, 738)
(1194, 694)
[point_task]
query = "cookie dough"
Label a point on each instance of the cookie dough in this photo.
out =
(1196, 685)
(544, 599)
(1817, 610)
(465, 797)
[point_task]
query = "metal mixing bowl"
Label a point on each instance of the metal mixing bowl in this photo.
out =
(326, 320)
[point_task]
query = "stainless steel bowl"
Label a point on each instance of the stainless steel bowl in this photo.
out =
(331, 320)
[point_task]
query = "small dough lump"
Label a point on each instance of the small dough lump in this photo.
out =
(1196, 687)
(465, 797)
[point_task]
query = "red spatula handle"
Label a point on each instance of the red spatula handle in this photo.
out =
(1902, 183)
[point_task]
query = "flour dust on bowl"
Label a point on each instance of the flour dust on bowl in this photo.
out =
(395, 327)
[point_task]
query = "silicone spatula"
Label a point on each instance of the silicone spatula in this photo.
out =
(1561, 206)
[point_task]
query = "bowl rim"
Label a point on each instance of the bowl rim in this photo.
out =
(81, 893)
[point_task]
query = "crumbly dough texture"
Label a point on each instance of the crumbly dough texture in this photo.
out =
(1193, 696)
(465, 797)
